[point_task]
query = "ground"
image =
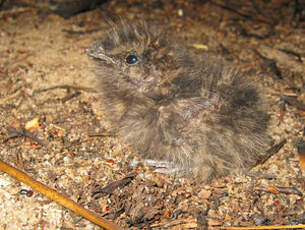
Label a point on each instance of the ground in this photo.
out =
(46, 75)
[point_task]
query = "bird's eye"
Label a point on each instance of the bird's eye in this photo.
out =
(132, 59)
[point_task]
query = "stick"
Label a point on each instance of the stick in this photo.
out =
(57, 197)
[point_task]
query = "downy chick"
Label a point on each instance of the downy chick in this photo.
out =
(172, 104)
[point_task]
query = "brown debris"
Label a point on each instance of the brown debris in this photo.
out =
(45, 73)
(109, 189)
(273, 150)
(22, 132)
(57, 197)
(292, 100)
(66, 87)
(301, 152)
(277, 190)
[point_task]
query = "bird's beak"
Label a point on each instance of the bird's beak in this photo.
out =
(97, 52)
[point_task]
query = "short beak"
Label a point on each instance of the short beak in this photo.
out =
(97, 53)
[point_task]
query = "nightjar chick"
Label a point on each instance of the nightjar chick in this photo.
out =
(172, 104)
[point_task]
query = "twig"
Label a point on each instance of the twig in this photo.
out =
(100, 134)
(268, 176)
(70, 96)
(186, 223)
(57, 197)
(270, 152)
(249, 17)
(114, 185)
(81, 32)
(277, 190)
(67, 87)
(270, 64)
(22, 132)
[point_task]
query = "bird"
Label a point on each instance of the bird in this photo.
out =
(172, 104)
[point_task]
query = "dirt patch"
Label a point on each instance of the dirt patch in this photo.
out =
(40, 51)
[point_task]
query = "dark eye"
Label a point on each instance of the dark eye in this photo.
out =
(132, 59)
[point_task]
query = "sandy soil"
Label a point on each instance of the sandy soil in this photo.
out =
(40, 50)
